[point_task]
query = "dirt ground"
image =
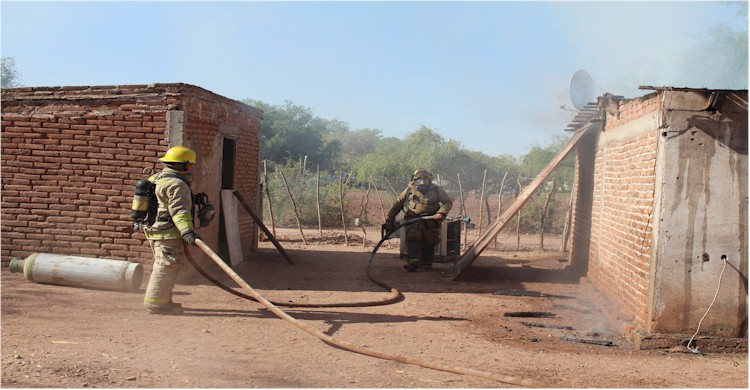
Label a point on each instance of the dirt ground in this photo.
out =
(56, 336)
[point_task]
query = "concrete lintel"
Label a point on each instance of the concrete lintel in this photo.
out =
(175, 128)
(628, 130)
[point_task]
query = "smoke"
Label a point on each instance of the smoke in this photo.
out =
(696, 45)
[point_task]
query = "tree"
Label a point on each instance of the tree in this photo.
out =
(538, 157)
(291, 132)
(395, 160)
(10, 76)
(423, 145)
(388, 159)
(353, 144)
(723, 61)
(718, 59)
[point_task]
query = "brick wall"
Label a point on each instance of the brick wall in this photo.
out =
(621, 221)
(612, 220)
(71, 155)
(210, 121)
(660, 194)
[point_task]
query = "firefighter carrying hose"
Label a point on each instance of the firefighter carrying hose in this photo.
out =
(173, 224)
(421, 198)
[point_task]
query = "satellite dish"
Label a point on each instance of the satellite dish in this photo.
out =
(581, 89)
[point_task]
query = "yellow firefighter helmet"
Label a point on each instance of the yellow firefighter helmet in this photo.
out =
(179, 154)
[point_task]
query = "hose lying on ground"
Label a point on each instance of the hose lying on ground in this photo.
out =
(394, 296)
(351, 347)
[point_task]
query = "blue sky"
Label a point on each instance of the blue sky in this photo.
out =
(491, 75)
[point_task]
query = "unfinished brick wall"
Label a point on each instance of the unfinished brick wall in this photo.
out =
(614, 202)
(71, 156)
(621, 221)
(660, 195)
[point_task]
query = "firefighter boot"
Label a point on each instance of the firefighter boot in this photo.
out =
(411, 265)
(173, 303)
(166, 309)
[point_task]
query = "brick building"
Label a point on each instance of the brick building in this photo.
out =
(71, 157)
(661, 201)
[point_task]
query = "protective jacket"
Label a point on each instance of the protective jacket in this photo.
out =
(416, 202)
(174, 216)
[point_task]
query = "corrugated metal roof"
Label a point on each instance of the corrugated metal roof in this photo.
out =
(667, 88)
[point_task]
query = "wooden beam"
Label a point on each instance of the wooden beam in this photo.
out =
(262, 226)
(475, 250)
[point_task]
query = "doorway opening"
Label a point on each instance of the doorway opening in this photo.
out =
(228, 158)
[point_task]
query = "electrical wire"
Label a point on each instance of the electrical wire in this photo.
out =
(718, 287)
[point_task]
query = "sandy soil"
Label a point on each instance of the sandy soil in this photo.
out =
(55, 336)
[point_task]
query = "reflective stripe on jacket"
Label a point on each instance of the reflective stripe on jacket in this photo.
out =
(174, 216)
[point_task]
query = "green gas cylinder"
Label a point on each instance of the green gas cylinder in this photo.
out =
(76, 271)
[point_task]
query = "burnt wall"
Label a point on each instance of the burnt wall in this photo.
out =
(661, 203)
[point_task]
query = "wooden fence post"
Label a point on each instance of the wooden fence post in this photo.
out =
(343, 213)
(382, 209)
(518, 218)
(294, 204)
(500, 200)
(317, 201)
(543, 218)
(463, 211)
(268, 195)
(481, 201)
(363, 214)
(391, 185)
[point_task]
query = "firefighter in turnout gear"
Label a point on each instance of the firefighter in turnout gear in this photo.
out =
(421, 198)
(173, 225)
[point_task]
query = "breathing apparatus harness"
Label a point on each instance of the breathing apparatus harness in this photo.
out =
(143, 210)
(206, 211)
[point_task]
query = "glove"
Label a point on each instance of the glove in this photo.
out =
(190, 237)
(439, 216)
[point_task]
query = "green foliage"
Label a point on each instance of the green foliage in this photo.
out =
(389, 159)
(302, 185)
(10, 76)
(532, 163)
(353, 145)
(291, 132)
(531, 214)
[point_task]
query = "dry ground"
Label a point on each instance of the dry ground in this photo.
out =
(54, 336)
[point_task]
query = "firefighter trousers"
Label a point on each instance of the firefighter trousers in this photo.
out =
(169, 256)
(421, 238)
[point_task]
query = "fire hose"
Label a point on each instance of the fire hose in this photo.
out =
(348, 346)
(394, 296)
